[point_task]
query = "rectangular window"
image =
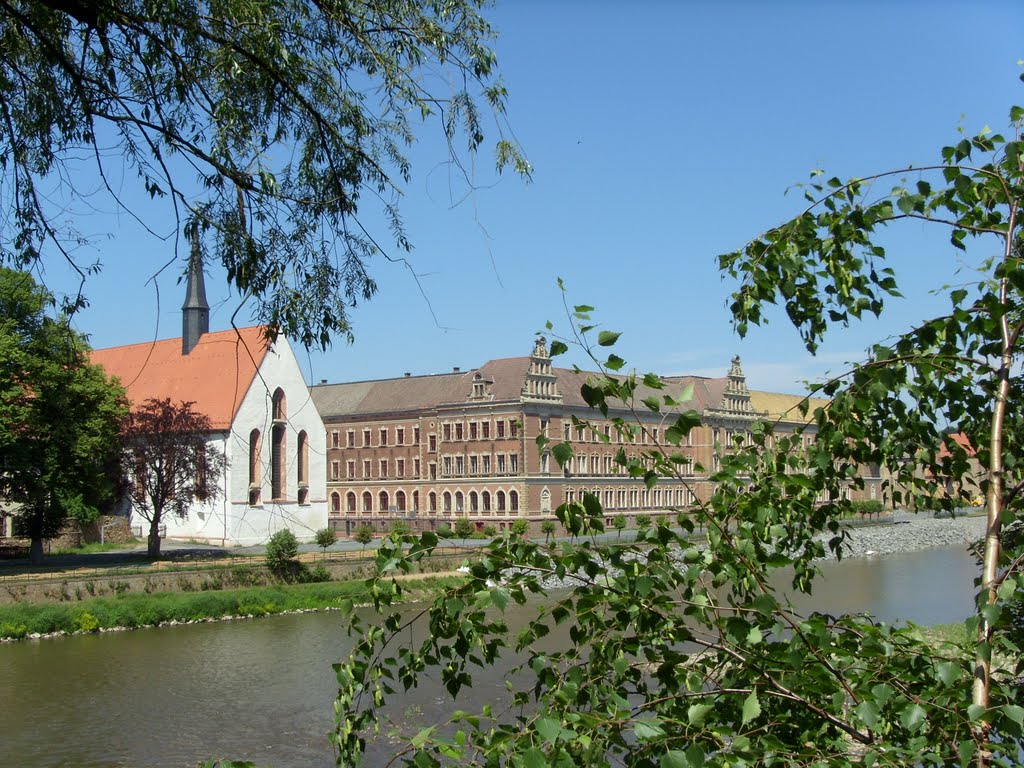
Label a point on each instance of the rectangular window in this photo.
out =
(416, 468)
(335, 470)
(566, 426)
(513, 428)
(544, 427)
(384, 436)
(415, 435)
(383, 468)
(474, 465)
(513, 463)
(350, 438)
(501, 464)
(460, 466)
(432, 467)
(655, 433)
(350, 468)
(366, 468)
(487, 464)
(432, 444)
(485, 428)
(400, 436)
(400, 468)
(500, 426)
(447, 466)
(608, 431)
(458, 430)
(446, 432)
(472, 430)
(335, 440)
(366, 438)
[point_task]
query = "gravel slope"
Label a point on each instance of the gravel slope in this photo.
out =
(909, 532)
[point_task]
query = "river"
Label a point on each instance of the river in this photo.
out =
(262, 690)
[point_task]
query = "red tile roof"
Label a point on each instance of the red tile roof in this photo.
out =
(215, 375)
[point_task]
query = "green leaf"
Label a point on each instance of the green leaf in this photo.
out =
(948, 672)
(1015, 713)
(558, 348)
(869, 712)
(500, 597)
(532, 758)
(751, 707)
(647, 730)
(697, 712)
(913, 717)
(607, 338)
(548, 728)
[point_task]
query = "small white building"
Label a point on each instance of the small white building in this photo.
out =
(262, 418)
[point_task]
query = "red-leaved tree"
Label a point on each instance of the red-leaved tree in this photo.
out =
(170, 463)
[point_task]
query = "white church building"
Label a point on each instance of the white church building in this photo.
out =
(262, 418)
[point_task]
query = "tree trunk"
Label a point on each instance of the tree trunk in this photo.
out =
(35, 552)
(153, 542)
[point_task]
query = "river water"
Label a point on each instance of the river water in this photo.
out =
(262, 690)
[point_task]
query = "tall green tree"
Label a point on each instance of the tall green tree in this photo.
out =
(681, 656)
(59, 416)
(291, 112)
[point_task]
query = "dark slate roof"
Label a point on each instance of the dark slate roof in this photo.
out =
(413, 393)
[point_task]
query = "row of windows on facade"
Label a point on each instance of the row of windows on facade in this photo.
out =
(478, 503)
(608, 434)
(278, 458)
(636, 498)
(451, 466)
(457, 430)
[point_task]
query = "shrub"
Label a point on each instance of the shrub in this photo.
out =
(520, 527)
(464, 528)
(86, 622)
(490, 531)
(444, 531)
(547, 528)
(399, 527)
(282, 552)
(15, 631)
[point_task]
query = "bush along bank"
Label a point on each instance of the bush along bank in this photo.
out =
(19, 621)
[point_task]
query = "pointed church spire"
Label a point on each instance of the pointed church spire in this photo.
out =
(195, 312)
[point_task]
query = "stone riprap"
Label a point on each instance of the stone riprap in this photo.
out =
(909, 532)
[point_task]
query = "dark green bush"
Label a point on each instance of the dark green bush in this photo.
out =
(282, 552)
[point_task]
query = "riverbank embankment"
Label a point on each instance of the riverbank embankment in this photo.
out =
(106, 614)
(909, 532)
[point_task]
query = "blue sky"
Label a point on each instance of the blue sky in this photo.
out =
(662, 134)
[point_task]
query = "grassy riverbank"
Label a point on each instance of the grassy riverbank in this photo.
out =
(128, 611)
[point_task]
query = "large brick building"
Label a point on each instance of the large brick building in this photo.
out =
(430, 449)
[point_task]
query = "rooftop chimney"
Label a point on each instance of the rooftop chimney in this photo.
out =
(455, 369)
(195, 312)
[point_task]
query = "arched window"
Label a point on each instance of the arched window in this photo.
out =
(432, 502)
(447, 502)
(459, 507)
(400, 501)
(485, 499)
(302, 467)
(280, 405)
(474, 502)
(278, 448)
(513, 500)
(367, 502)
(415, 501)
(501, 501)
(350, 502)
(255, 479)
(335, 502)
(384, 504)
